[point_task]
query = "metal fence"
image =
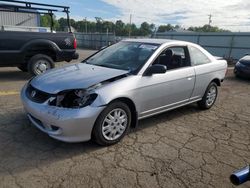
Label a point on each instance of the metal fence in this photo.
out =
(94, 40)
(227, 45)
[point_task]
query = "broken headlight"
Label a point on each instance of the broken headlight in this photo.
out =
(76, 98)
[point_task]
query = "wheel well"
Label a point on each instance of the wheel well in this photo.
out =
(30, 53)
(217, 81)
(131, 105)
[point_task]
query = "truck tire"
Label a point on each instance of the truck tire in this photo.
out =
(40, 63)
(23, 67)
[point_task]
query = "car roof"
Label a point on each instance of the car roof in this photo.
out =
(170, 42)
(154, 41)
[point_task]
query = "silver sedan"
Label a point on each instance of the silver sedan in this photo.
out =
(107, 93)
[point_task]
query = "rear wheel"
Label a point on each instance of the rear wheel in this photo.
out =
(209, 97)
(112, 124)
(40, 63)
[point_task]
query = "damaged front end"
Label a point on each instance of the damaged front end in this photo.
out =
(79, 98)
(76, 98)
(68, 98)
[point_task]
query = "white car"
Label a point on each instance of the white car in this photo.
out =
(105, 95)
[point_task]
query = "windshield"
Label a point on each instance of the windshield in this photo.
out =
(123, 55)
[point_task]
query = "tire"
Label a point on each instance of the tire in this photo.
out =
(207, 102)
(236, 73)
(114, 130)
(23, 67)
(40, 63)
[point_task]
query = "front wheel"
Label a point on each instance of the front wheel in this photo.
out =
(112, 124)
(40, 63)
(209, 97)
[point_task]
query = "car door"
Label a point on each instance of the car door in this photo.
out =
(10, 45)
(204, 71)
(160, 92)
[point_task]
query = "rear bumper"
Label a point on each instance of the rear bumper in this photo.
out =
(67, 55)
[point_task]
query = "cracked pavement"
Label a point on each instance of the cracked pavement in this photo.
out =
(185, 147)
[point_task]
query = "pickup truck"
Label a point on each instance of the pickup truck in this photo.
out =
(35, 52)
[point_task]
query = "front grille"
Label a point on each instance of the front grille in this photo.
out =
(36, 95)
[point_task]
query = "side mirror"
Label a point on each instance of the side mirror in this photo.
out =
(155, 69)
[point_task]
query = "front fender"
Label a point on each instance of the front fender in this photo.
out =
(124, 88)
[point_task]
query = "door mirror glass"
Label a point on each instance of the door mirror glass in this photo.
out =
(155, 69)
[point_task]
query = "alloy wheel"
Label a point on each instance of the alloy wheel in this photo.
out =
(114, 124)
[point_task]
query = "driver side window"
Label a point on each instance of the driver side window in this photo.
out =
(174, 57)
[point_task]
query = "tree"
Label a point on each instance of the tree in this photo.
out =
(62, 24)
(207, 28)
(152, 27)
(177, 27)
(45, 21)
(108, 25)
(145, 29)
(119, 28)
(134, 30)
(165, 28)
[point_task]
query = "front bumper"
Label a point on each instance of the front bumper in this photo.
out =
(242, 71)
(64, 124)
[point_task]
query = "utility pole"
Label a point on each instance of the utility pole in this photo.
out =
(107, 37)
(99, 20)
(209, 19)
(130, 22)
(86, 25)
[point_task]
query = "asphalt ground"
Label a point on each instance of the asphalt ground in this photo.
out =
(185, 147)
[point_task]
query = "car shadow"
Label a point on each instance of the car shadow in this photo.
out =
(166, 116)
(13, 74)
(238, 79)
(26, 147)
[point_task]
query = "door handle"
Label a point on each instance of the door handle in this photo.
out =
(190, 76)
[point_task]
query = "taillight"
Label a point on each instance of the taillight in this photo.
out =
(75, 43)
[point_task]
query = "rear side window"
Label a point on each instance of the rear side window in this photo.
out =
(197, 56)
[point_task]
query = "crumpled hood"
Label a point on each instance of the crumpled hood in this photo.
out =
(75, 76)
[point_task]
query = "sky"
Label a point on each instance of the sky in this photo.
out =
(228, 14)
